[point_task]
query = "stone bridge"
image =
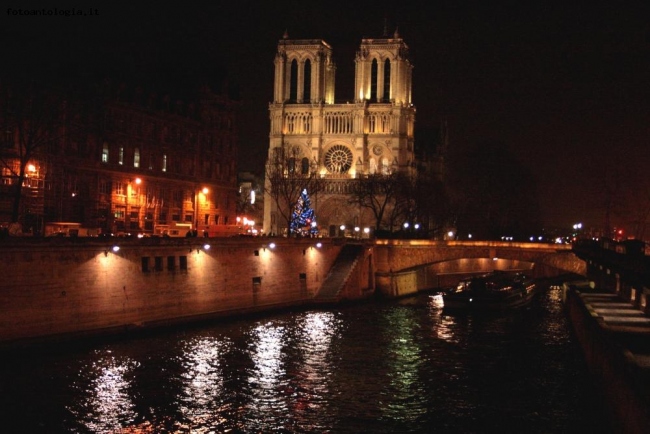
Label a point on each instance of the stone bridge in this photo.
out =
(407, 266)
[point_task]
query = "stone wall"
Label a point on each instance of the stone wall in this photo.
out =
(74, 287)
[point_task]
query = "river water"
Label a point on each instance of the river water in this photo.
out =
(401, 366)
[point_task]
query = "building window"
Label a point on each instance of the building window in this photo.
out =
(171, 265)
(293, 86)
(373, 80)
(307, 81)
(105, 153)
(338, 159)
(136, 157)
(104, 186)
(121, 156)
(164, 163)
(182, 263)
(119, 188)
(385, 168)
(386, 96)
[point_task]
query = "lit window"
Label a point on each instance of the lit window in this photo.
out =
(164, 163)
(136, 158)
(105, 153)
(121, 156)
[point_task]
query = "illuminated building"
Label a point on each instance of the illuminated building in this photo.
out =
(340, 141)
(131, 163)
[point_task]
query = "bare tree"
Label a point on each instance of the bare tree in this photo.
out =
(379, 193)
(432, 210)
(33, 121)
(287, 176)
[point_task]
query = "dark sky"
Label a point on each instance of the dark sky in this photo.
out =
(565, 86)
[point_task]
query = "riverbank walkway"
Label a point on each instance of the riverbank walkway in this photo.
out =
(615, 336)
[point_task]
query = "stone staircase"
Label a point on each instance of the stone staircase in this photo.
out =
(339, 274)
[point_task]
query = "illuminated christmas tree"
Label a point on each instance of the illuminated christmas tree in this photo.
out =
(303, 220)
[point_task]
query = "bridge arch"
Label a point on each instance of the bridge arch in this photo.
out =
(406, 266)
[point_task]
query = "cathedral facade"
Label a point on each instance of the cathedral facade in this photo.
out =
(340, 142)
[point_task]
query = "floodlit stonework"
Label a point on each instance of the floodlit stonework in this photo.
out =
(340, 141)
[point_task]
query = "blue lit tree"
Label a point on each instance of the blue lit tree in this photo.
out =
(303, 220)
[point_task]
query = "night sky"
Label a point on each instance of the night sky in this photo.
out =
(565, 86)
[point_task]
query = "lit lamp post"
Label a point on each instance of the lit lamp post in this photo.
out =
(132, 192)
(197, 204)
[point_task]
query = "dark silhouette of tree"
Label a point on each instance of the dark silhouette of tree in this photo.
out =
(494, 194)
(432, 211)
(34, 122)
(380, 194)
(286, 178)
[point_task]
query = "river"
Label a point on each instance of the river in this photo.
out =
(401, 366)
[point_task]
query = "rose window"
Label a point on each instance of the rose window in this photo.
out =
(338, 159)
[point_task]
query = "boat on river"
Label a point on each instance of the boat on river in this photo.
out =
(496, 290)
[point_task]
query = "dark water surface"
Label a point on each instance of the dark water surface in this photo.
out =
(379, 367)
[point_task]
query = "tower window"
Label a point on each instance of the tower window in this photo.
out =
(373, 80)
(307, 82)
(293, 87)
(386, 96)
(136, 157)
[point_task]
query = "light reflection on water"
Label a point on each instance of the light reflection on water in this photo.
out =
(202, 376)
(377, 367)
(104, 403)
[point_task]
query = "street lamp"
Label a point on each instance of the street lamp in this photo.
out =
(205, 191)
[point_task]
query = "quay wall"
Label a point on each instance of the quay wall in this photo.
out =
(623, 387)
(73, 287)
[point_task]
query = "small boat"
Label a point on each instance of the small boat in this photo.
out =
(491, 291)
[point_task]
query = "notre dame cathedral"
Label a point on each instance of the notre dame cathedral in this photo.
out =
(338, 142)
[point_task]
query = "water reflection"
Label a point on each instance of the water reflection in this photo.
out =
(203, 380)
(268, 402)
(104, 403)
(374, 367)
(311, 381)
(404, 400)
